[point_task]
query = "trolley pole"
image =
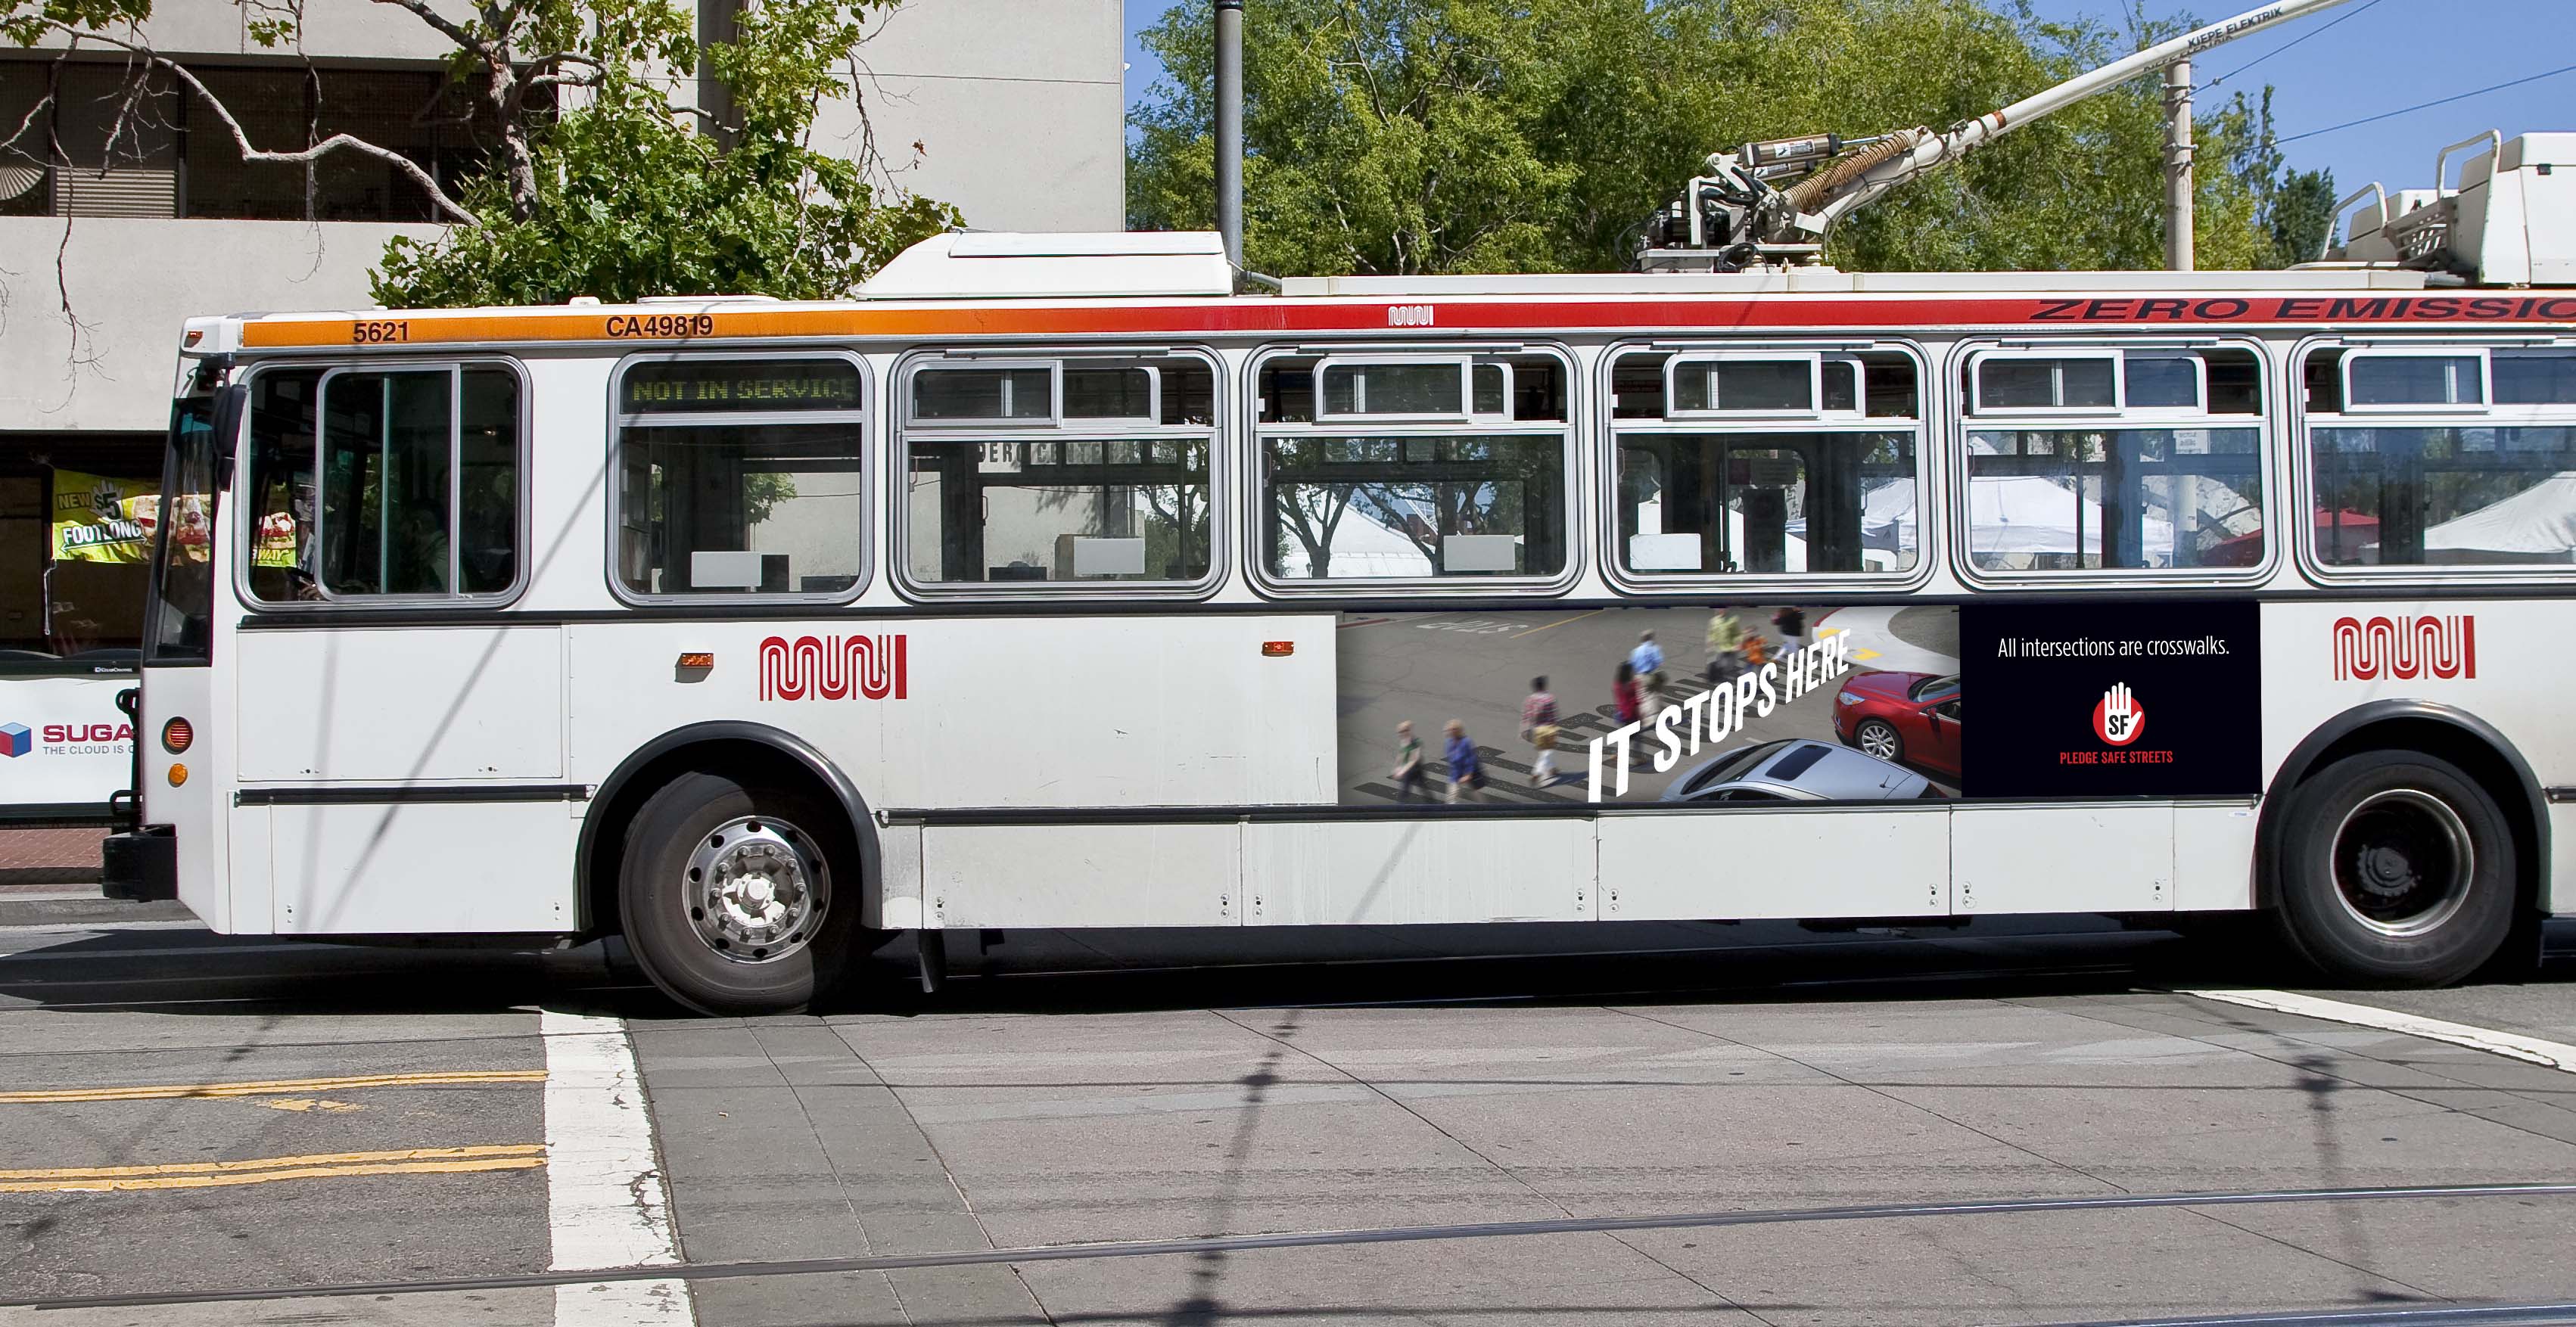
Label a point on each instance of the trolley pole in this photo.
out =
(2178, 256)
(1229, 127)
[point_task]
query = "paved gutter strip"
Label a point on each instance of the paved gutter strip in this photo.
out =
(663, 1274)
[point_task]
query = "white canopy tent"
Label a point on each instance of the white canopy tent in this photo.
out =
(2537, 524)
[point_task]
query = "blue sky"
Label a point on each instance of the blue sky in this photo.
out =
(2393, 54)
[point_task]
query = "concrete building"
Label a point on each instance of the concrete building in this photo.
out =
(1016, 104)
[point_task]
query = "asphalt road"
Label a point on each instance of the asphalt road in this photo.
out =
(189, 1115)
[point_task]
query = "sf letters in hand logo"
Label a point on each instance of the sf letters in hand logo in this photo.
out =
(2119, 718)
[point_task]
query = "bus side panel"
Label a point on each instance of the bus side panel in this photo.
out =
(1391, 872)
(2213, 853)
(393, 704)
(1775, 863)
(461, 867)
(2080, 858)
(1082, 875)
(192, 807)
(2503, 662)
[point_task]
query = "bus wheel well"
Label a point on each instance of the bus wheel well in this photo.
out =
(743, 759)
(2495, 767)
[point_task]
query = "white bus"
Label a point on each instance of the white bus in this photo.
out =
(1051, 584)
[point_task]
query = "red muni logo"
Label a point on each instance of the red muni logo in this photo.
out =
(833, 668)
(2403, 647)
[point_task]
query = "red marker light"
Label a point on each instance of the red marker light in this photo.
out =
(176, 735)
(1278, 649)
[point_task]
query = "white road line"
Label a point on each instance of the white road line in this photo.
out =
(607, 1204)
(2531, 1050)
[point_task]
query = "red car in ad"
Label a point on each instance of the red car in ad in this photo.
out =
(1909, 718)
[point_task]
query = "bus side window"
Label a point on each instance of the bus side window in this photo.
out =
(1071, 472)
(2442, 456)
(740, 476)
(1412, 466)
(1766, 462)
(2158, 467)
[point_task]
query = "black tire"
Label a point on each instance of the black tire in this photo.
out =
(2394, 868)
(1895, 741)
(664, 914)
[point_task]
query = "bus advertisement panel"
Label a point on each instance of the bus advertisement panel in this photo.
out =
(1781, 703)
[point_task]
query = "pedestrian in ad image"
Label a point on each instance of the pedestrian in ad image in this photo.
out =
(1624, 701)
(1538, 728)
(1792, 622)
(1725, 646)
(1648, 661)
(1466, 771)
(1408, 775)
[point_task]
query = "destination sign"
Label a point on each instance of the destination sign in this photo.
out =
(738, 386)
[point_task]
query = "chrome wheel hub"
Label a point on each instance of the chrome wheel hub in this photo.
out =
(2403, 862)
(755, 889)
(1878, 740)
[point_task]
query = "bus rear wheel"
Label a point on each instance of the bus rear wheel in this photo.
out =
(2395, 868)
(728, 892)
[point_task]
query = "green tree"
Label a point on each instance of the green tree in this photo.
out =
(598, 181)
(1414, 136)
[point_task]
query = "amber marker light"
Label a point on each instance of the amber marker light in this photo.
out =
(697, 659)
(178, 774)
(176, 735)
(1278, 649)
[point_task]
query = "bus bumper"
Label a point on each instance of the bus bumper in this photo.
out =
(140, 866)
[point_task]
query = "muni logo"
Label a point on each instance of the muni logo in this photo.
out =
(832, 667)
(2401, 647)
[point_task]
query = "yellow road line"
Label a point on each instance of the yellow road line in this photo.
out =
(176, 1091)
(261, 1170)
(1557, 623)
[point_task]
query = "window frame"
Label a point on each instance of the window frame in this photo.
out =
(1254, 491)
(2270, 423)
(240, 493)
(1974, 401)
(2303, 471)
(613, 502)
(1929, 529)
(1815, 361)
(1465, 414)
(897, 462)
(2486, 382)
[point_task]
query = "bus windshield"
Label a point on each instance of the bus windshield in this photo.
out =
(180, 611)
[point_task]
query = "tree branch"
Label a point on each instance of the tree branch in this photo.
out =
(447, 27)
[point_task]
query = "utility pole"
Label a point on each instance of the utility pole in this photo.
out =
(2178, 257)
(1229, 127)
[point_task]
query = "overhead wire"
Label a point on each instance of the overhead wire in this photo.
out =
(2428, 105)
(2318, 31)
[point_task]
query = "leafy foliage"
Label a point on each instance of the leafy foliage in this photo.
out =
(1412, 136)
(631, 201)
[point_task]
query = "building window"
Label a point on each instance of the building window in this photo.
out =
(171, 156)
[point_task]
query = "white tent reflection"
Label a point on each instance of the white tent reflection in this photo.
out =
(2536, 525)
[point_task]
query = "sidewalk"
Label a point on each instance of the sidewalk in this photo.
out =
(48, 858)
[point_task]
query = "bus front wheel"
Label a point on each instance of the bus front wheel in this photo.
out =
(2397, 868)
(728, 893)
